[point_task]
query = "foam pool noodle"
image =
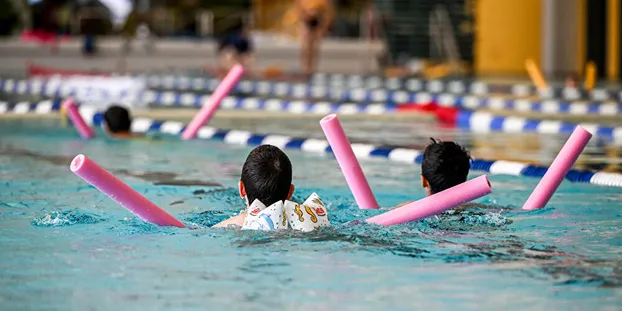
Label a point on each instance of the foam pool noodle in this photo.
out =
(120, 192)
(350, 166)
(72, 112)
(436, 203)
(557, 171)
(212, 104)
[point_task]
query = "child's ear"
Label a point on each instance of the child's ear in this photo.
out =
(241, 189)
(291, 191)
(424, 182)
(426, 185)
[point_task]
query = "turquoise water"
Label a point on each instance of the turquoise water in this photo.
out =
(65, 246)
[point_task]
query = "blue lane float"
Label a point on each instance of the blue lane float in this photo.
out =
(485, 122)
(452, 86)
(234, 103)
(608, 108)
(478, 122)
(362, 151)
(460, 86)
(264, 88)
(339, 81)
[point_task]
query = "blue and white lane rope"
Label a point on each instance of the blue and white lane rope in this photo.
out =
(235, 103)
(466, 102)
(477, 122)
(267, 104)
(372, 91)
(484, 122)
(608, 108)
(39, 87)
(448, 100)
(458, 86)
(398, 154)
(362, 151)
(24, 107)
(393, 84)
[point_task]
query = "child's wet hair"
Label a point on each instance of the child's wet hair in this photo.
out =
(118, 119)
(445, 164)
(267, 175)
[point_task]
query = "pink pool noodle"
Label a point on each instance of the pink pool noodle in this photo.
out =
(121, 193)
(78, 122)
(350, 167)
(557, 171)
(210, 107)
(436, 203)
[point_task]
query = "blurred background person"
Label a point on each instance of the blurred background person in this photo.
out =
(236, 47)
(314, 20)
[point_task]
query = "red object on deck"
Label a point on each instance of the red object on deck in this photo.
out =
(42, 36)
(447, 115)
(413, 107)
(42, 71)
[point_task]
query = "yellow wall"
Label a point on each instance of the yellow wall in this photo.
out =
(507, 33)
(269, 14)
(613, 39)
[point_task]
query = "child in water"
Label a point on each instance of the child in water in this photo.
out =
(266, 186)
(118, 122)
(445, 164)
(267, 177)
(236, 48)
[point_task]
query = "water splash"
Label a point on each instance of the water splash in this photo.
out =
(67, 218)
(207, 218)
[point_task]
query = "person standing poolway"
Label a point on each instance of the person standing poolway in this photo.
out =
(314, 18)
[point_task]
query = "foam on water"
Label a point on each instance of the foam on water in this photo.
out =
(67, 218)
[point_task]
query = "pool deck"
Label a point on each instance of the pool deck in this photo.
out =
(342, 56)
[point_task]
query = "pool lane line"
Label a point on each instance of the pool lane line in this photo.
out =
(486, 122)
(362, 151)
(607, 108)
(229, 103)
(451, 86)
(41, 107)
(477, 122)
(457, 86)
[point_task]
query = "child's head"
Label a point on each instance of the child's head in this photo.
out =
(266, 176)
(118, 120)
(445, 164)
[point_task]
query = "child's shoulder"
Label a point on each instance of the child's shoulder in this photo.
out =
(308, 216)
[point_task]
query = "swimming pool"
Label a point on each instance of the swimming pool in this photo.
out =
(65, 246)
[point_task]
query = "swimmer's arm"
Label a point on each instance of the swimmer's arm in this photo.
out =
(235, 220)
(400, 205)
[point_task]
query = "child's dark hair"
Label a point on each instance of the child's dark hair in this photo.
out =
(267, 175)
(445, 164)
(118, 119)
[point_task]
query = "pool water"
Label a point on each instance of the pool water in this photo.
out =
(66, 246)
